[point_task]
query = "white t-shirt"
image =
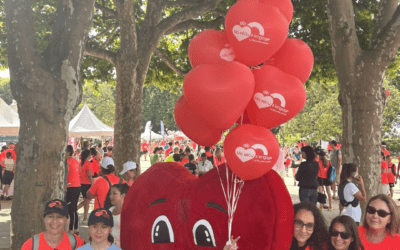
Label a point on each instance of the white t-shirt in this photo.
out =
(116, 230)
(204, 166)
(9, 164)
(354, 212)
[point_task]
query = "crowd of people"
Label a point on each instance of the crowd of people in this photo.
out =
(90, 174)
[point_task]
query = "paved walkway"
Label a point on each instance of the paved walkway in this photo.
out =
(5, 218)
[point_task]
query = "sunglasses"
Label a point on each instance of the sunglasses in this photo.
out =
(382, 213)
(299, 224)
(343, 235)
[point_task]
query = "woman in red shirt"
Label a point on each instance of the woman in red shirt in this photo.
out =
(86, 179)
(218, 158)
(323, 180)
(310, 229)
(95, 162)
(54, 237)
(73, 189)
(380, 224)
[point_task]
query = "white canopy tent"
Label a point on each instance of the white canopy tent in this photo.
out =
(146, 135)
(86, 124)
(9, 120)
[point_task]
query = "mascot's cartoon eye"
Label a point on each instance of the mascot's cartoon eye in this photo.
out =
(203, 234)
(162, 232)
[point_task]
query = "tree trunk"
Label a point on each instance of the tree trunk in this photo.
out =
(47, 89)
(360, 74)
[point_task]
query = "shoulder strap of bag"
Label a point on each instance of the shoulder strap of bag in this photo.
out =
(109, 183)
(72, 240)
(35, 242)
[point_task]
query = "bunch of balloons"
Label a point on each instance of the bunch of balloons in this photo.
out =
(250, 73)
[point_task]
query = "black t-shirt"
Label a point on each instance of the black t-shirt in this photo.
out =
(191, 167)
(307, 174)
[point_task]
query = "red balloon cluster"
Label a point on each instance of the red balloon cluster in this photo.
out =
(250, 73)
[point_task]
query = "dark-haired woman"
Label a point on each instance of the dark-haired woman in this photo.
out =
(86, 179)
(343, 234)
(350, 195)
(95, 162)
(323, 178)
(100, 226)
(73, 189)
(380, 224)
(307, 176)
(117, 196)
(310, 229)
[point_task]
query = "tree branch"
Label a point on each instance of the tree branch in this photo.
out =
(219, 12)
(100, 53)
(103, 32)
(109, 38)
(345, 44)
(153, 12)
(20, 34)
(182, 3)
(184, 15)
(195, 24)
(106, 10)
(388, 40)
(168, 62)
(385, 13)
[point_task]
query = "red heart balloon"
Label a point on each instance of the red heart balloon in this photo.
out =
(251, 151)
(285, 6)
(294, 57)
(174, 210)
(277, 98)
(193, 125)
(219, 93)
(210, 47)
(256, 31)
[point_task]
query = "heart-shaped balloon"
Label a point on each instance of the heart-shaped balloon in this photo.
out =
(219, 93)
(210, 47)
(294, 57)
(251, 151)
(277, 98)
(174, 210)
(285, 6)
(256, 31)
(193, 125)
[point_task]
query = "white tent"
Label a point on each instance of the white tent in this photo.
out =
(9, 120)
(86, 124)
(146, 135)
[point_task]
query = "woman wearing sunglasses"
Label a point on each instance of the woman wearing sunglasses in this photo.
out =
(310, 229)
(343, 234)
(380, 224)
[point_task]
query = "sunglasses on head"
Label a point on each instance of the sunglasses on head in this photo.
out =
(382, 213)
(343, 235)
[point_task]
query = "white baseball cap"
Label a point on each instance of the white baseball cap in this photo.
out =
(107, 161)
(129, 165)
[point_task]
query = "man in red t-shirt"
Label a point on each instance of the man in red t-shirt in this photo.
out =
(186, 159)
(169, 150)
(145, 148)
(384, 150)
(391, 174)
(384, 176)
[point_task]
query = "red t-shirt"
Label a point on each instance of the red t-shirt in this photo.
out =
(386, 152)
(145, 146)
(95, 167)
(388, 243)
(83, 175)
(14, 155)
(323, 172)
(287, 163)
(73, 173)
(384, 176)
(100, 188)
(184, 161)
(194, 145)
(64, 244)
(217, 162)
(391, 177)
(168, 151)
(162, 143)
(3, 157)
